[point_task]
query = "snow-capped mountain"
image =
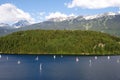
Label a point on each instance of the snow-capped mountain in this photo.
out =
(70, 18)
(99, 15)
(60, 19)
(21, 23)
(6, 28)
(4, 25)
(88, 17)
(106, 22)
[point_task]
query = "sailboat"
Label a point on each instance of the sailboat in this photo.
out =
(0, 56)
(37, 58)
(108, 57)
(54, 57)
(18, 62)
(7, 57)
(40, 66)
(118, 61)
(77, 59)
(90, 62)
(95, 57)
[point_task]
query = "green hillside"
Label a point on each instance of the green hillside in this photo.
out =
(60, 42)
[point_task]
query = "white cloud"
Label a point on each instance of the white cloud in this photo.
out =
(41, 13)
(119, 10)
(58, 15)
(93, 4)
(9, 13)
(55, 15)
(39, 16)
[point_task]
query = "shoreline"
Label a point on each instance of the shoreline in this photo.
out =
(47, 54)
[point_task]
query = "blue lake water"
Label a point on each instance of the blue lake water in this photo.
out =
(39, 67)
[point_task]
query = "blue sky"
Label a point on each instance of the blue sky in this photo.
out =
(39, 10)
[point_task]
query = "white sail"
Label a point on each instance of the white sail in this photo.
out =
(77, 59)
(54, 57)
(37, 58)
(95, 57)
(18, 62)
(40, 66)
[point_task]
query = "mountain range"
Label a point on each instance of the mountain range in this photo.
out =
(106, 23)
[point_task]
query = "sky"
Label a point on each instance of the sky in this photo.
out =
(35, 11)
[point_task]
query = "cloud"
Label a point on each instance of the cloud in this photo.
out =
(55, 15)
(9, 13)
(119, 10)
(39, 16)
(58, 15)
(93, 4)
(41, 13)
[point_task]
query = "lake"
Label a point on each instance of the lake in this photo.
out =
(52, 67)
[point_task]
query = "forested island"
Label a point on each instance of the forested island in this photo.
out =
(68, 42)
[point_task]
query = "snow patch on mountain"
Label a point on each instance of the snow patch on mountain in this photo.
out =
(21, 23)
(3, 25)
(99, 15)
(59, 19)
(91, 17)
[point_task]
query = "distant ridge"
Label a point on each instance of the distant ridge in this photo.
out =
(106, 23)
